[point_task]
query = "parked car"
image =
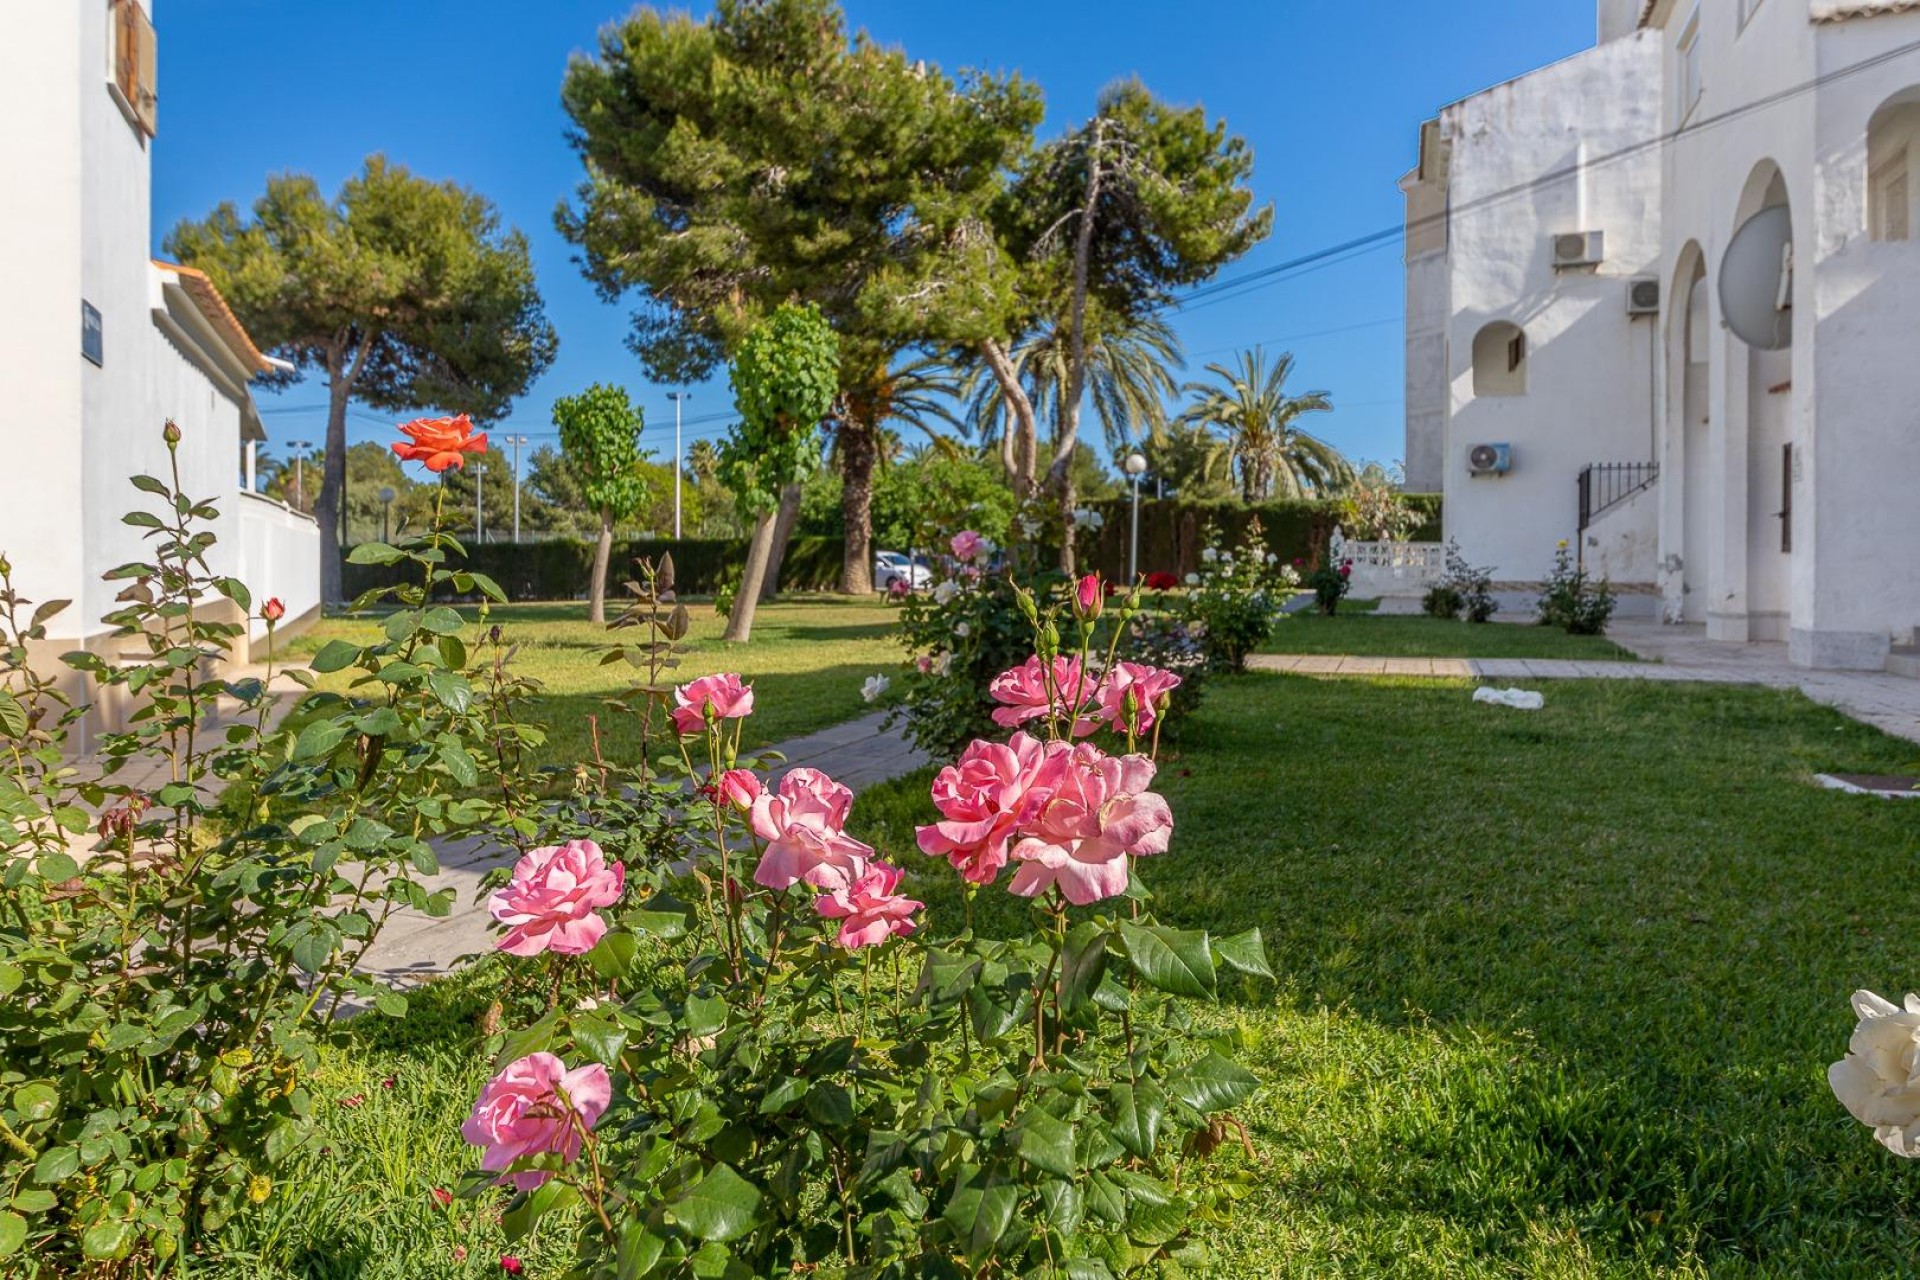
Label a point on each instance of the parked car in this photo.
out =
(890, 567)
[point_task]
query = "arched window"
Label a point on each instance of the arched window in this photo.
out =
(1893, 147)
(1500, 360)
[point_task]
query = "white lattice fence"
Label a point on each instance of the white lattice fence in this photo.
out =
(1393, 568)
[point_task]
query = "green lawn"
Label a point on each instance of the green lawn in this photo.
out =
(1399, 636)
(1559, 992)
(1560, 988)
(806, 662)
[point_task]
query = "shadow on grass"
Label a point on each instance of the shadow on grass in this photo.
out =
(1559, 988)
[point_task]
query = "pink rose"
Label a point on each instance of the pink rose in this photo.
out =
(723, 694)
(1087, 596)
(869, 908)
(530, 1108)
(1097, 811)
(802, 824)
(1130, 696)
(965, 544)
(1024, 693)
(737, 787)
(549, 904)
(981, 797)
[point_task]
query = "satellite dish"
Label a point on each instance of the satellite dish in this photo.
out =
(1756, 280)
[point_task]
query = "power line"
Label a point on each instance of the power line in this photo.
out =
(1377, 239)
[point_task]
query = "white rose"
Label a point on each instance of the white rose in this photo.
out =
(1879, 1079)
(1193, 579)
(945, 592)
(962, 629)
(1209, 555)
(874, 687)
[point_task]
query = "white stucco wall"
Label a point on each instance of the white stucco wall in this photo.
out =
(1546, 154)
(277, 554)
(41, 50)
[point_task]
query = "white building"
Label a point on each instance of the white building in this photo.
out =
(1566, 234)
(100, 345)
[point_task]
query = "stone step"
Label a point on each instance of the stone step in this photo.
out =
(1904, 660)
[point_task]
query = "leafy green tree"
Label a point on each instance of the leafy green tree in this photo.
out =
(600, 434)
(785, 378)
(763, 156)
(405, 294)
(1108, 221)
(1129, 377)
(938, 491)
(1247, 402)
(1187, 461)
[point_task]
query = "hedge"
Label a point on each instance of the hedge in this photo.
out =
(1174, 531)
(559, 568)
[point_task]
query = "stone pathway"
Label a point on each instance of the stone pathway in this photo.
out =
(415, 947)
(1673, 653)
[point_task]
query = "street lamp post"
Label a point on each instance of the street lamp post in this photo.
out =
(677, 397)
(299, 448)
(1136, 465)
(387, 495)
(516, 442)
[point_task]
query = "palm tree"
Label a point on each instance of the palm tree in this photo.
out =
(1130, 365)
(1248, 403)
(918, 393)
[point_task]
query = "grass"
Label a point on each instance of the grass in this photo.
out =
(1559, 991)
(806, 662)
(1560, 988)
(1400, 636)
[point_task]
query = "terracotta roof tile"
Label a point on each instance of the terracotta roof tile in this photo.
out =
(199, 286)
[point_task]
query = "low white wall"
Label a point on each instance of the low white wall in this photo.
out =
(279, 556)
(1623, 545)
(1393, 568)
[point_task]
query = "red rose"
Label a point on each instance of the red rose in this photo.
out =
(273, 610)
(438, 443)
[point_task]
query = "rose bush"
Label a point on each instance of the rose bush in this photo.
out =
(1236, 598)
(805, 1075)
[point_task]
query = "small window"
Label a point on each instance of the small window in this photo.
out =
(1890, 207)
(1691, 84)
(1500, 360)
(136, 64)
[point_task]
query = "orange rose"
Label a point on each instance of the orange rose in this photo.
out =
(439, 442)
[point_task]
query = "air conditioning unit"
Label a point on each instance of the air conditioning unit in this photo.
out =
(1490, 459)
(1643, 296)
(1578, 249)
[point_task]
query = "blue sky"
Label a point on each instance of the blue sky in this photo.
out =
(1329, 93)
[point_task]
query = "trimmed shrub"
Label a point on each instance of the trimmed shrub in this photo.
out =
(560, 568)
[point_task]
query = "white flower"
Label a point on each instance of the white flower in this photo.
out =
(874, 687)
(1087, 518)
(962, 629)
(945, 592)
(1193, 579)
(1272, 558)
(1209, 555)
(1879, 1079)
(943, 664)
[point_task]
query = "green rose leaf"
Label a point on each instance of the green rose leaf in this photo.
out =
(1246, 952)
(721, 1206)
(602, 1041)
(612, 956)
(1138, 1110)
(318, 739)
(375, 553)
(979, 1216)
(13, 1233)
(335, 655)
(1213, 1083)
(1178, 961)
(1045, 1142)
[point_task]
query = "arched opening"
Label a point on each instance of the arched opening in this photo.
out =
(1769, 446)
(1691, 337)
(1500, 360)
(1893, 148)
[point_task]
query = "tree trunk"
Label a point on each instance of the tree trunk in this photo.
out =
(1066, 436)
(747, 598)
(329, 506)
(1066, 523)
(783, 522)
(858, 451)
(1019, 442)
(602, 553)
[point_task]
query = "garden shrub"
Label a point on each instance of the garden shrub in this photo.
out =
(1330, 582)
(776, 1073)
(1237, 596)
(1573, 601)
(1464, 590)
(164, 994)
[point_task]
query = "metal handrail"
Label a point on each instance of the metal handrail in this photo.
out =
(1605, 485)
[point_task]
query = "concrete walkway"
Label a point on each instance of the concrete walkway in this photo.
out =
(415, 947)
(1672, 653)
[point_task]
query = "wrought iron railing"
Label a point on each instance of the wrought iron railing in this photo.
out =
(1605, 485)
